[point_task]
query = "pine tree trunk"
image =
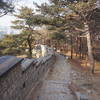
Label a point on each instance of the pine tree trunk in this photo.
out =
(77, 46)
(80, 49)
(71, 47)
(30, 49)
(30, 46)
(90, 55)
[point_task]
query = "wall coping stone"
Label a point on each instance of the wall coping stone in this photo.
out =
(7, 62)
(27, 62)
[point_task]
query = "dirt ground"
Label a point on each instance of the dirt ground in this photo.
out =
(84, 79)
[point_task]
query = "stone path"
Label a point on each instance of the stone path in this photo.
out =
(55, 85)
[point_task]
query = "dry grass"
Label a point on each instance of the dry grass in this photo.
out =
(84, 63)
(22, 56)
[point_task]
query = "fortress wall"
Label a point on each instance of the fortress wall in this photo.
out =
(17, 81)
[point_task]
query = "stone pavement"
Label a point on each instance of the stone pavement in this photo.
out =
(55, 85)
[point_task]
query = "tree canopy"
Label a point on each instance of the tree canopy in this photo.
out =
(26, 21)
(6, 6)
(73, 16)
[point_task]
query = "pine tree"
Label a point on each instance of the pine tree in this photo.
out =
(72, 15)
(6, 6)
(26, 22)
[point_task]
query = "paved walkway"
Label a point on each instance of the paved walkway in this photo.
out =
(55, 85)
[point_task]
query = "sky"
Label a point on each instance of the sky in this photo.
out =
(5, 21)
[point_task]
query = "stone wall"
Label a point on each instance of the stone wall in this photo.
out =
(17, 82)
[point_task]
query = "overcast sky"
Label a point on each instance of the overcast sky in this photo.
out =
(6, 20)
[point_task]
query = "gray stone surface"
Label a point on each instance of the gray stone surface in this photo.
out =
(7, 62)
(27, 63)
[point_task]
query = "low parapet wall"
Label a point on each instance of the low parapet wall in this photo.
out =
(17, 78)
